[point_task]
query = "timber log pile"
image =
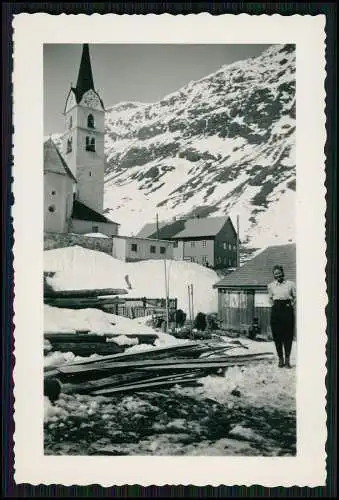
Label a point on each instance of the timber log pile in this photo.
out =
(158, 368)
(86, 343)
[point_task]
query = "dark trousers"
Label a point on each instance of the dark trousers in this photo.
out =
(282, 325)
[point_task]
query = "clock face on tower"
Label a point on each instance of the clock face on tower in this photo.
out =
(91, 100)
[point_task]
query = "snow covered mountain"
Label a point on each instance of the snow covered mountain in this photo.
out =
(224, 144)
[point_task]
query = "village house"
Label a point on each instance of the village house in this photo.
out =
(74, 181)
(242, 294)
(209, 241)
(133, 249)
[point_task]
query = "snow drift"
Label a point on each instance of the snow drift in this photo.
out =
(79, 268)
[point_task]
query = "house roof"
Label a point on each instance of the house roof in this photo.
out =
(83, 212)
(258, 271)
(198, 227)
(150, 229)
(54, 162)
(202, 226)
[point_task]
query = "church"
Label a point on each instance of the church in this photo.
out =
(74, 180)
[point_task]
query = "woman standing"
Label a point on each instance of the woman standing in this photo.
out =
(282, 294)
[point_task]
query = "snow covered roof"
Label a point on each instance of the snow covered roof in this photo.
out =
(54, 162)
(258, 271)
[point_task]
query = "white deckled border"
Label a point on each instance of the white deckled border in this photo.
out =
(31, 31)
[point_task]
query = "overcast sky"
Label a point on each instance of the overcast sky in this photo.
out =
(131, 72)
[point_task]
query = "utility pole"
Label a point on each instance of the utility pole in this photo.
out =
(157, 219)
(238, 242)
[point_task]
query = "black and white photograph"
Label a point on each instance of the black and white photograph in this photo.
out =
(168, 329)
(170, 284)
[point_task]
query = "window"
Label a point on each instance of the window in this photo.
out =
(235, 248)
(175, 244)
(70, 122)
(230, 262)
(162, 250)
(90, 121)
(53, 192)
(134, 247)
(51, 208)
(90, 174)
(69, 145)
(204, 243)
(152, 248)
(225, 246)
(192, 243)
(95, 229)
(229, 246)
(204, 259)
(90, 144)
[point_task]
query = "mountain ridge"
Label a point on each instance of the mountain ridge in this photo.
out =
(223, 144)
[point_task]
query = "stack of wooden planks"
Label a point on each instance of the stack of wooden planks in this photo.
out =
(82, 299)
(85, 344)
(156, 368)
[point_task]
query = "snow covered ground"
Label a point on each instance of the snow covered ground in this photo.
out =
(80, 268)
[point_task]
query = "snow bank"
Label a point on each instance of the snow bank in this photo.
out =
(58, 320)
(96, 235)
(57, 358)
(77, 268)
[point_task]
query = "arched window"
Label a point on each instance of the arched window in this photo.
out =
(69, 145)
(90, 121)
(90, 144)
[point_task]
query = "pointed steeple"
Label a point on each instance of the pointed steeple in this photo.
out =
(85, 76)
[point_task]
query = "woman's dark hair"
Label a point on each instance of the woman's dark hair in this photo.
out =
(280, 268)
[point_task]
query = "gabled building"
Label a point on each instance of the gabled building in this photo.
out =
(242, 294)
(209, 241)
(83, 157)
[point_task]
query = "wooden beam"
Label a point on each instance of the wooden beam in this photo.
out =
(95, 292)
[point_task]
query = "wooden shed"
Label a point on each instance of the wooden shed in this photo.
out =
(242, 294)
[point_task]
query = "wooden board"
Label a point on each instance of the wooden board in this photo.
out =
(100, 366)
(151, 353)
(75, 303)
(144, 386)
(56, 338)
(95, 292)
(88, 348)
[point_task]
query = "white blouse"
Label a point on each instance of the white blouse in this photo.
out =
(282, 291)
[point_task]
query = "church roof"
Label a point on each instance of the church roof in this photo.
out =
(85, 77)
(83, 212)
(54, 162)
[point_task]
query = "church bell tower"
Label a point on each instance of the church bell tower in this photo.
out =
(83, 140)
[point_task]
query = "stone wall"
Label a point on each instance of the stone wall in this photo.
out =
(61, 240)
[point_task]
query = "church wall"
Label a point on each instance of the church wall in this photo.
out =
(57, 201)
(86, 226)
(62, 240)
